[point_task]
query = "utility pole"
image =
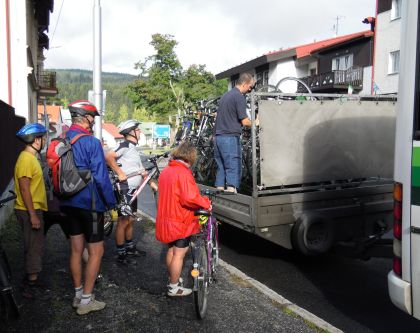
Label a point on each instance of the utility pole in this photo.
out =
(97, 66)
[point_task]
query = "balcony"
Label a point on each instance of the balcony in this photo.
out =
(334, 81)
(47, 84)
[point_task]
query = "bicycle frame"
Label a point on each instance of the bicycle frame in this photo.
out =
(143, 184)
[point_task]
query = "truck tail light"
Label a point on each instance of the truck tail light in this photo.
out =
(397, 266)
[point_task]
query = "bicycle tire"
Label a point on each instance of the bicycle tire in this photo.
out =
(201, 292)
(8, 307)
(108, 223)
(215, 246)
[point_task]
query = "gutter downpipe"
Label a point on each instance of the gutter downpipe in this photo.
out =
(374, 50)
(9, 61)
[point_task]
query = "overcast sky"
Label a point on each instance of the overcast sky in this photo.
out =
(217, 33)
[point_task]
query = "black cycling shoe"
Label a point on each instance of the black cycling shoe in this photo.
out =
(135, 253)
(124, 260)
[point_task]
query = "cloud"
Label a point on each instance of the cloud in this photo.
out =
(219, 34)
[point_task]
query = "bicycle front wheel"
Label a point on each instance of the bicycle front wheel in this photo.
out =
(201, 283)
(215, 247)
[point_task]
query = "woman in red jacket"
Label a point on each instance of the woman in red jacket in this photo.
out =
(179, 197)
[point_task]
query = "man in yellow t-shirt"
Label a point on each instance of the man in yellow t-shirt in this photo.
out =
(31, 198)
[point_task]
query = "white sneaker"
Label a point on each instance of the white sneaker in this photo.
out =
(76, 301)
(231, 189)
(93, 305)
(178, 291)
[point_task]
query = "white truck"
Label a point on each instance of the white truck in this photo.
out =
(404, 279)
(322, 168)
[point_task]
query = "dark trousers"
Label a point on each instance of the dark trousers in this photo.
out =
(33, 241)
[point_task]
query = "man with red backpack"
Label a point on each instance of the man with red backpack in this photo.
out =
(85, 209)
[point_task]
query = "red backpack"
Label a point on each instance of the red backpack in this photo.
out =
(67, 180)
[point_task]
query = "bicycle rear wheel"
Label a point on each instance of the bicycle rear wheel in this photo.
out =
(8, 306)
(201, 283)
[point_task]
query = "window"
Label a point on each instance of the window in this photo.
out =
(262, 79)
(342, 63)
(394, 62)
(396, 9)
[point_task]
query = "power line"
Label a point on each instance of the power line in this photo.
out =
(56, 24)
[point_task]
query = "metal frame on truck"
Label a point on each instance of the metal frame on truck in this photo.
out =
(321, 171)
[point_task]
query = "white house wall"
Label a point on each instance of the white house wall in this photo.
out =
(4, 82)
(23, 37)
(387, 40)
(108, 139)
(282, 69)
(367, 81)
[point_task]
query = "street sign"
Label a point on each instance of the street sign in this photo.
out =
(161, 131)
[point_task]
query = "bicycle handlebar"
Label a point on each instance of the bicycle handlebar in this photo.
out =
(3, 201)
(156, 157)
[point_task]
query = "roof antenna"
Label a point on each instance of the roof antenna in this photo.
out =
(335, 26)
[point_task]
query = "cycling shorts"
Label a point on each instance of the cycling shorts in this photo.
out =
(128, 194)
(81, 223)
(180, 243)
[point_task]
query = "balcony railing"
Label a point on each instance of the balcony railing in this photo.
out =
(334, 80)
(47, 83)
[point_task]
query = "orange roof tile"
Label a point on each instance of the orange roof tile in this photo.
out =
(307, 49)
(112, 129)
(53, 111)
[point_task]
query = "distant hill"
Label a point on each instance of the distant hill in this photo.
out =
(74, 84)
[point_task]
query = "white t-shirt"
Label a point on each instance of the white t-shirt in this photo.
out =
(130, 160)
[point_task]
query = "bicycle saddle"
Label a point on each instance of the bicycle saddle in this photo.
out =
(202, 212)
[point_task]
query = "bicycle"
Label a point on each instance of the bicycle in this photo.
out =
(205, 254)
(8, 306)
(122, 204)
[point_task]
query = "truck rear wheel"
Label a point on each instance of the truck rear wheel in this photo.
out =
(312, 235)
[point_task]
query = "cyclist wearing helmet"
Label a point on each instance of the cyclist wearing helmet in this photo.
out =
(129, 158)
(85, 209)
(31, 200)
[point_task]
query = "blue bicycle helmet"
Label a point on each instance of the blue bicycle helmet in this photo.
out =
(29, 132)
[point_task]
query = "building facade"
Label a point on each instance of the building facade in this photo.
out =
(387, 46)
(334, 65)
(22, 42)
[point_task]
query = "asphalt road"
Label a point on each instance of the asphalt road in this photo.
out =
(350, 294)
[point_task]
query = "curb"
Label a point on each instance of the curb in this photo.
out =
(271, 294)
(285, 303)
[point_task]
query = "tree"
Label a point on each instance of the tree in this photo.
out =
(152, 90)
(123, 113)
(164, 88)
(200, 84)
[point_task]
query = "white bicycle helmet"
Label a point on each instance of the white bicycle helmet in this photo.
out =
(128, 125)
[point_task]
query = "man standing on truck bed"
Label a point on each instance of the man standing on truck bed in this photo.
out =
(231, 116)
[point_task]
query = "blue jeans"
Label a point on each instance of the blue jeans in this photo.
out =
(228, 156)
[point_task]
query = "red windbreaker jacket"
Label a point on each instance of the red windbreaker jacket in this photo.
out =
(179, 197)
